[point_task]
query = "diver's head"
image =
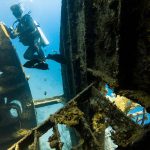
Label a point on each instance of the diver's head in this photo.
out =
(17, 10)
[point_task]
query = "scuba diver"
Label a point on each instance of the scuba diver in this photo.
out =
(31, 35)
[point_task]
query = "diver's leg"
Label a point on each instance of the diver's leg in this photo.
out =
(40, 53)
(35, 60)
(29, 53)
(38, 49)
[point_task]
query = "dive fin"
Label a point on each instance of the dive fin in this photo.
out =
(35, 63)
(30, 63)
(42, 66)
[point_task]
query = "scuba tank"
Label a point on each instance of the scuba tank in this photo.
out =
(44, 40)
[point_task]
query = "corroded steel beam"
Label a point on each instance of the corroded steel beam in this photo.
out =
(47, 101)
(126, 130)
(50, 122)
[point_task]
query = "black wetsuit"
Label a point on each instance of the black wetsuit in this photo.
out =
(29, 36)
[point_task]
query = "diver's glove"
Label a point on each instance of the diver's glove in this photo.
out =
(10, 29)
(13, 32)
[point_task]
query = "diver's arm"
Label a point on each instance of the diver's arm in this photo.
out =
(29, 27)
(13, 32)
(28, 24)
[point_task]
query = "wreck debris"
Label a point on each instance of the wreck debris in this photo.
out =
(98, 122)
(138, 96)
(105, 114)
(36, 136)
(95, 142)
(48, 101)
(50, 122)
(116, 51)
(21, 133)
(102, 76)
(117, 45)
(30, 138)
(143, 117)
(79, 146)
(123, 103)
(126, 131)
(54, 140)
(69, 115)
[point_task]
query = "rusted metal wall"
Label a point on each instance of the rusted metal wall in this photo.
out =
(110, 40)
(72, 46)
(17, 113)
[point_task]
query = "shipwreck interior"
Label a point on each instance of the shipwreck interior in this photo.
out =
(106, 44)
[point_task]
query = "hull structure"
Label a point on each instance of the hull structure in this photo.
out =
(17, 113)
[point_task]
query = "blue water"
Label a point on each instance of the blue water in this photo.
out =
(136, 109)
(47, 13)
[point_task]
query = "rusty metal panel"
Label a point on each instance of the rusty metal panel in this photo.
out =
(72, 46)
(117, 46)
(17, 113)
